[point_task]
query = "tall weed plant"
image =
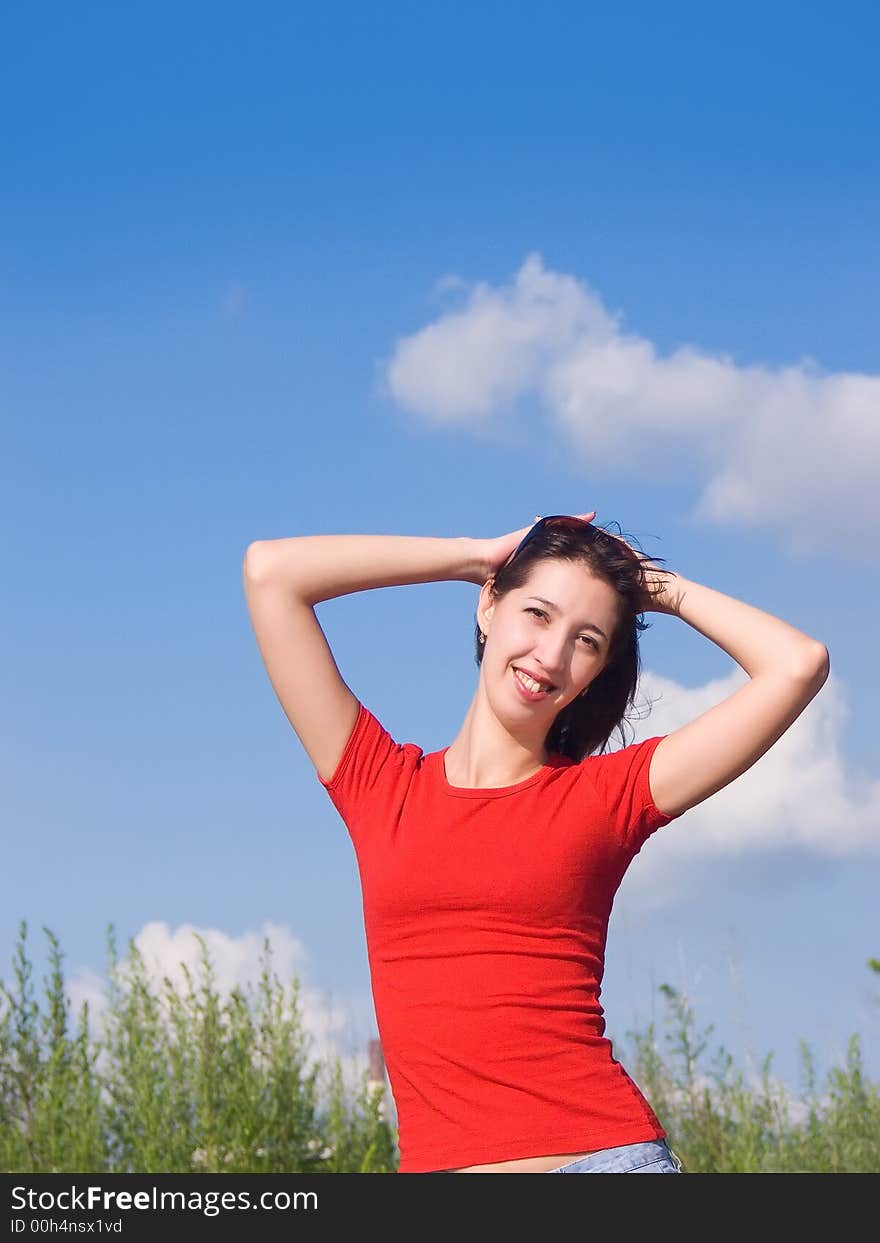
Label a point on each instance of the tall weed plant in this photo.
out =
(717, 1122)
(179, 1081)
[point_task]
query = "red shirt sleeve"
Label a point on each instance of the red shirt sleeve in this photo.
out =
(373, 774)
(621, 781)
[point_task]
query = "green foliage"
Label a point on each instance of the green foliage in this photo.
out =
(717, 1123)
(178, 1081)
(181, 1082)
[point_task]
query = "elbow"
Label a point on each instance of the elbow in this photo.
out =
(825, 666)
(253, 559)
(815, 665)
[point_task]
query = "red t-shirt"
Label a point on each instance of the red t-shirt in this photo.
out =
(486, 913)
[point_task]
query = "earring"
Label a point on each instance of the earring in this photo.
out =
(482, 637)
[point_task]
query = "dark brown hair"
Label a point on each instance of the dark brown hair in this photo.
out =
(585, 726)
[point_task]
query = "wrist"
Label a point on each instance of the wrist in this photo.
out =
(670, 599)
(472, 560)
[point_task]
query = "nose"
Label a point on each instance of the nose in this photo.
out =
(550, 660)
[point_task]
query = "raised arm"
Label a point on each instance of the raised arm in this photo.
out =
(786, 667)
(285, 578)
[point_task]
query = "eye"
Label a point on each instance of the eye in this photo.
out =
(589, 638)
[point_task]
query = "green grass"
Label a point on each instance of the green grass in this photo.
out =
(182, 1080)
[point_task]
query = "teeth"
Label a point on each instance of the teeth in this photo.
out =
(530, 683)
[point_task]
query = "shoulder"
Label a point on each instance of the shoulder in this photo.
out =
(620, 781)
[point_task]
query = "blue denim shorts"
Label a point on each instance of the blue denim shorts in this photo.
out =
(654, 1156)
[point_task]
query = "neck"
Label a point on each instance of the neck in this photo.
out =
(486, 754)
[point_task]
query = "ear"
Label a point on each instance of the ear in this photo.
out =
(486, 603)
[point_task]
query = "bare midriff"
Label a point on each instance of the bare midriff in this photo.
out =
(523, 1165)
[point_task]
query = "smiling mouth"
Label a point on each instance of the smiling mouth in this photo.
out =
(530, 685)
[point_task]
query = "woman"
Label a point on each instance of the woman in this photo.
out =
(488, 868)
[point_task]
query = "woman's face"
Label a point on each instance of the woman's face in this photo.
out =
(558, 627)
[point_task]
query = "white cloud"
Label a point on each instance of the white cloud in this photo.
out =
(799, 795)
(771, 447)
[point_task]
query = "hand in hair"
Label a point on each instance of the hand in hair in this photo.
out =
(662, 588)
(493, 553)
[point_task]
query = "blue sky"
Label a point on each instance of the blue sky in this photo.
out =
(432, 270)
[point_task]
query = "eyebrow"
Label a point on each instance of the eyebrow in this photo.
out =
(555, 609)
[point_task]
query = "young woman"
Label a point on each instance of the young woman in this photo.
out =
(488, 869)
